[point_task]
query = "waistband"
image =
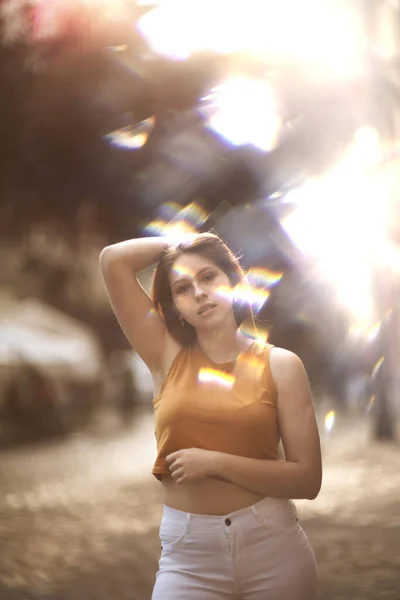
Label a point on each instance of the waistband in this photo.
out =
(267, 509)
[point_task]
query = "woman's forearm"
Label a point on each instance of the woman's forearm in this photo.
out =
(280, 479)
(137, 254)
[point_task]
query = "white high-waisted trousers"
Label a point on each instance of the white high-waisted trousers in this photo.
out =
(256, 553)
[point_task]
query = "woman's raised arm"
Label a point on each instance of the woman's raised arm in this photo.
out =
(134, 309)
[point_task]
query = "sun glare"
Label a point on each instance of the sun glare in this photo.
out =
(307, 30)
(338, 222)
(243, 111)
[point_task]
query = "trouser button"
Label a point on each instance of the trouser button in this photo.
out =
(228, 522)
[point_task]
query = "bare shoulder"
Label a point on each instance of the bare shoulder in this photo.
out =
(286, 366)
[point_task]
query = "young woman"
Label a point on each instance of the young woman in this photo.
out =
(223, 402)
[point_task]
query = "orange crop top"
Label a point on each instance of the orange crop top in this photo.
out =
(228, 408)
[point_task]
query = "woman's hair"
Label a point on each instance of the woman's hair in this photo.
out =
(207, 245)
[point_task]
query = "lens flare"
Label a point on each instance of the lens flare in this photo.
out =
(373, 331)
(336, 222)
(131, 62)
(263, 277)
(259, 335)
(208, 375)
(371, 403)
(377, 366)
(181, 271)
(173, 230)
(251, 366)
(193, 214)
(243, 111)
(181, 221)
(306, 31)
(131, 138)
(245, 293)
(329, 420)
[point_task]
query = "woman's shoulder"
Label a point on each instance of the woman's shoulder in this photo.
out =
(284, 356)
(281, 362)
(285, 364)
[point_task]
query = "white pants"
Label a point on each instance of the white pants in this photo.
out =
(256, 553)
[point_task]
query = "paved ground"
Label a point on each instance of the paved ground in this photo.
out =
(79, 518)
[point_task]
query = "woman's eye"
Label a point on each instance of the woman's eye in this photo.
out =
(181, 289)
(208, 276)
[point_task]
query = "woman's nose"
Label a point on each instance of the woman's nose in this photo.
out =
(199, 292)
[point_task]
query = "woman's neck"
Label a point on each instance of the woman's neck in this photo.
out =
(222, 346)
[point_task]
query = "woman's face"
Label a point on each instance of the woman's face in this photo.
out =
(200, 290)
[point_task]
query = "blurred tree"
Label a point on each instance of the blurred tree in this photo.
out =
(60, 96)
(62, 93)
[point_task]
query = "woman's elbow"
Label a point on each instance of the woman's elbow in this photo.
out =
(314, 488)
(105, 253)
(312, 494)
(107, 256)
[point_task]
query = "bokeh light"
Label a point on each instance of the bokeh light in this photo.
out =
(305, 31)
(373, 331)
(243, 111)
(340, 222)
(245, 293)
(252, 365)
(256, 290)
(329, 420)
(181, 221)
(131, 137)
(263, 278)
(377, 366)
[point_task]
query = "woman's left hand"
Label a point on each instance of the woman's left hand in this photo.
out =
(191, 464)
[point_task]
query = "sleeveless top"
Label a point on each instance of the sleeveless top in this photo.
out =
(229, 407)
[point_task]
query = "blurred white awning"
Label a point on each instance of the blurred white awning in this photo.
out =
(33, 332)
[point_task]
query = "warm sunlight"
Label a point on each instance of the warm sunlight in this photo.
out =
(339, 223)
(307, 31)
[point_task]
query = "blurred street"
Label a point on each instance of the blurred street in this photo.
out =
(79, 517)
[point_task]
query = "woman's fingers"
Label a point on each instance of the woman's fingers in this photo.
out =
(177, 474)
(173, 466)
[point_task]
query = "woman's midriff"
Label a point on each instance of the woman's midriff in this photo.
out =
(211, 496)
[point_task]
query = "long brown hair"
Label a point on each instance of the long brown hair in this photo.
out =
(207, 245)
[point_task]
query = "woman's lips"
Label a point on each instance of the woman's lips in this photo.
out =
(205, 309)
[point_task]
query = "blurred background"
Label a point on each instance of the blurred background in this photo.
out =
(277, 124)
